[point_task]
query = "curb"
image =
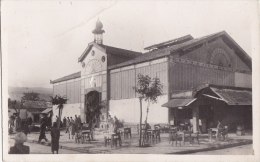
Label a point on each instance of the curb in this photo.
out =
(213, 148)
(60, 146)
(179, 152)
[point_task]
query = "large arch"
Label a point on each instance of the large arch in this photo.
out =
(92, 107)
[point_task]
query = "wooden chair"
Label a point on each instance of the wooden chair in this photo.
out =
(224, 133)
(175, 137)
(127, 133)
(195, 136)
(211, 134)
(157, 132)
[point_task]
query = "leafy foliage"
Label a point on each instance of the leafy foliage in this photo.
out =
(31, 96)
(58, 100)
(148, 89)
(13, 104)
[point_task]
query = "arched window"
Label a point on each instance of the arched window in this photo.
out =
(219, 57)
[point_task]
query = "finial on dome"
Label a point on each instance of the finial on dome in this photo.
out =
(98, 32)
(98, 29)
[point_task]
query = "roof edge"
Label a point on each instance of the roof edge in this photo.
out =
(67, 77)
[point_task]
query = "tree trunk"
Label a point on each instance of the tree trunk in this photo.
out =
(147, 110)
(59, 117)
(140, 125)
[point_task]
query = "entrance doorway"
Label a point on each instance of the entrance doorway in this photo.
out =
(206, 117)
(92, 108)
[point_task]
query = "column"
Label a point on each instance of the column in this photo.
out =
(195, 118)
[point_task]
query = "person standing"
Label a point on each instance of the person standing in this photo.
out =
(19, 147)
(72, 128)
(67, 124)
(29, 122)
(55, 137)
(64, 122)
(17, 123)
(76, 121)
(43, 130)
(79, 123)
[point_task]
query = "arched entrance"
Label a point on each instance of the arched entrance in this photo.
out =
(92, 108)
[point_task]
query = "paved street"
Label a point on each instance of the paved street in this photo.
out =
(129, 146)
(41, 149)
(240, 150)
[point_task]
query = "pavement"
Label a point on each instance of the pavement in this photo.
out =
(130, 145)
(239, 150)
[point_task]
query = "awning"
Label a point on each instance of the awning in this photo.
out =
(46, 111)
(179, 102)
(234, 97)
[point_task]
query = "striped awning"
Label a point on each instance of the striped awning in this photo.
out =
(179, 102)
(46, 111)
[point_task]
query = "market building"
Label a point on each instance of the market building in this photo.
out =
(204, 80)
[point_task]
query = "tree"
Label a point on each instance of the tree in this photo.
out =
(148, 90)
(60, 101)
(31, 96)
(13, 104)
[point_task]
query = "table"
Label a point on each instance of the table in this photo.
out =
(179, 136)
(213, 131)
(87, 134)
(113, 138)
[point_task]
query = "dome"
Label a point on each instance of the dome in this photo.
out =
(99, 24)
(98, 29)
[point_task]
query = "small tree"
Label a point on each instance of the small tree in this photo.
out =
(60, 101)
(13, 104)
(148, 90)
(30, 96)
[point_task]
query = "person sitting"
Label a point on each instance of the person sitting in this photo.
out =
(19, 147)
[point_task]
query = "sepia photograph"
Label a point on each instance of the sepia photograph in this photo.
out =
(142, 78)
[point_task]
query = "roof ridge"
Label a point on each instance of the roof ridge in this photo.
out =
(118, 48)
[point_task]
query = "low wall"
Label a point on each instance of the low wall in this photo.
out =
(129, 110)
(69, 110)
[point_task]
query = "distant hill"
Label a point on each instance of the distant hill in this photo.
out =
(16, 93)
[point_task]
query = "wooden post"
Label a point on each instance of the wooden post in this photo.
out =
(140, 124)
(195, 117)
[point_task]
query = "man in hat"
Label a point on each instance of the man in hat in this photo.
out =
(19, 147)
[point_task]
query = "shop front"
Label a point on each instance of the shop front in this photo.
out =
(206, 106)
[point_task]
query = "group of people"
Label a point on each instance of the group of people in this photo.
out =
(16, 124)
(21, 137)
(72, 126)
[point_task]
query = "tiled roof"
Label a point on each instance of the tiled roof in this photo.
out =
(68, 77)
(110, 50)
(46, 111)
(169, 42)
(234, 97)
(183, 46)
(119, 51)
(179, 102)
(36, 104)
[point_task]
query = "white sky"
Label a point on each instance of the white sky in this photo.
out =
(43, 39)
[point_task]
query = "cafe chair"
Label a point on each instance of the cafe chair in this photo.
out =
(127, 133)
(157, 132)
(224, 133)
(195, 136)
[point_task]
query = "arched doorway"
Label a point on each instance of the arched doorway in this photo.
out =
(92, 108)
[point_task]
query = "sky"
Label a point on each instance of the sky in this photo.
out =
(42, 40)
